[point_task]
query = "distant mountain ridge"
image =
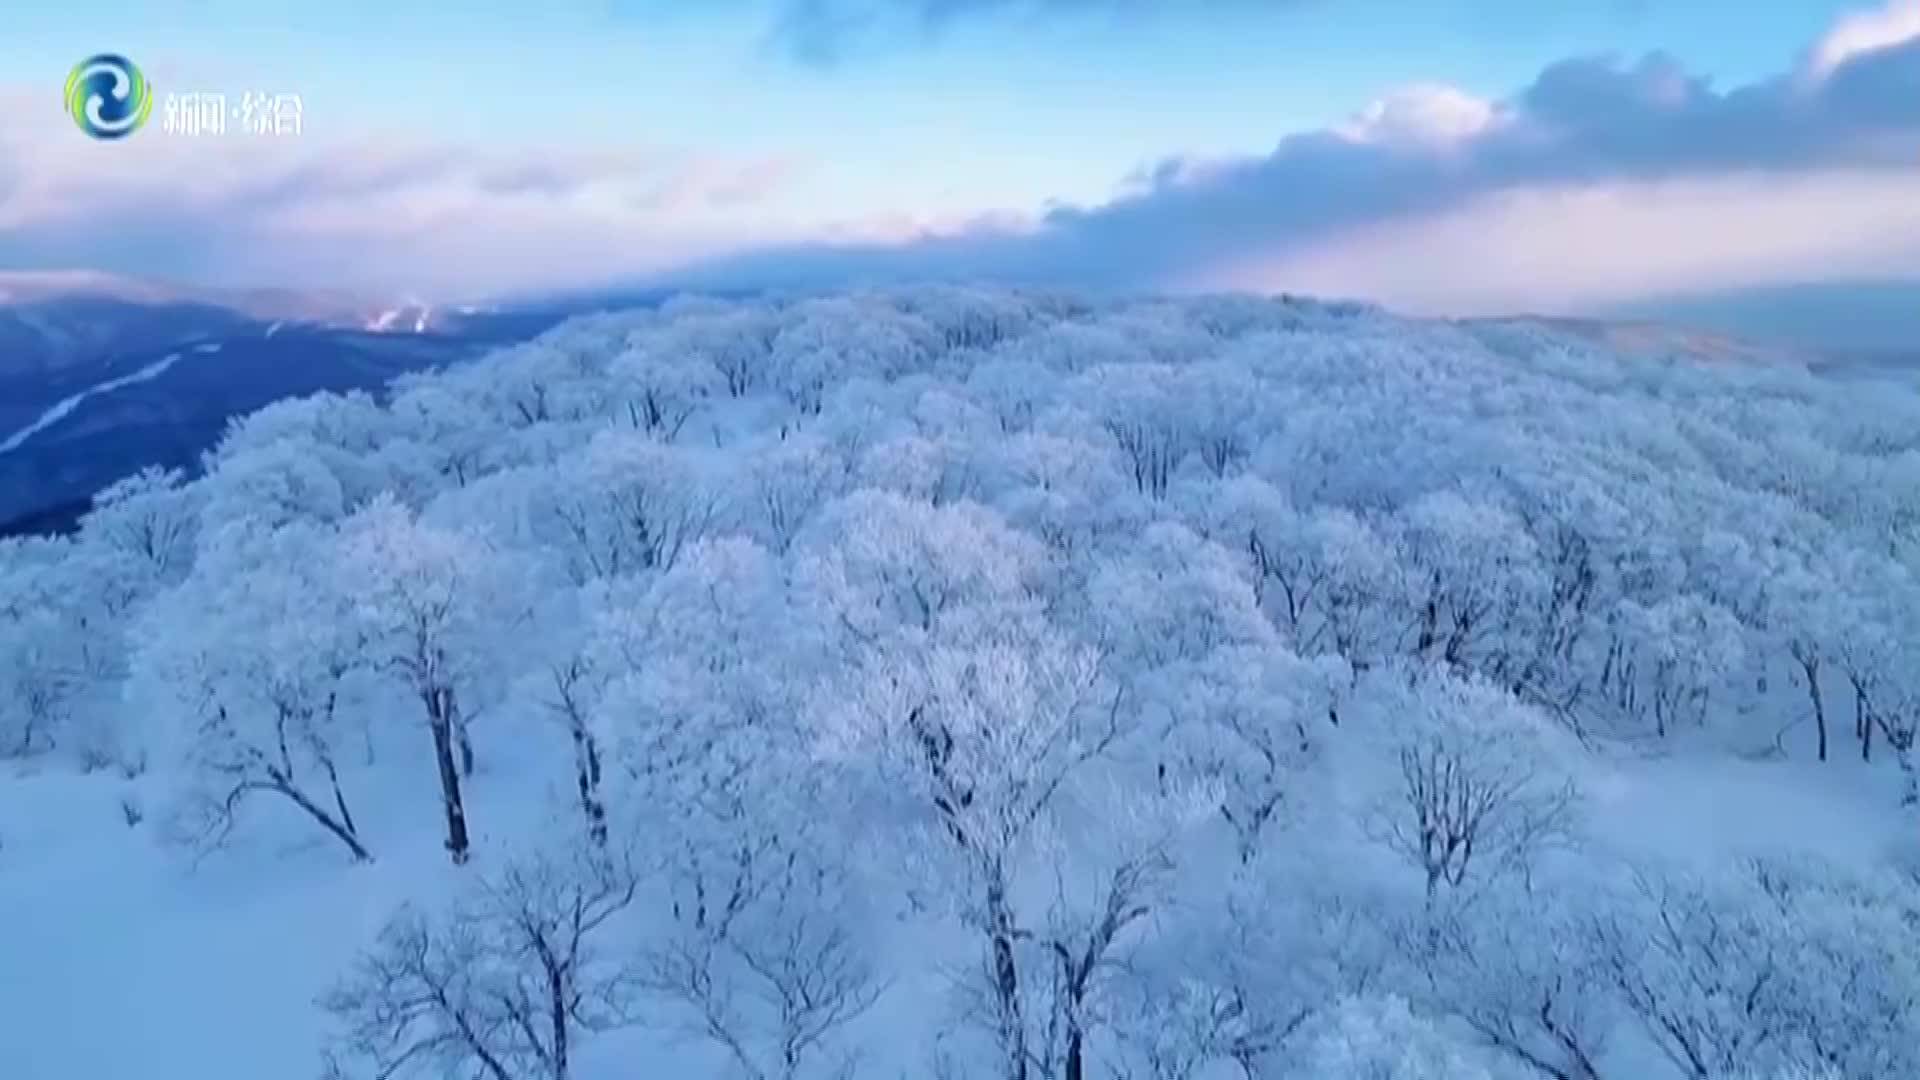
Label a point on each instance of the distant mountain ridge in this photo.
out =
(1640, 337)
(331, 307)
(51, 321)
(166, 406)
(1851, 318)
(103, 374)
(45, 338)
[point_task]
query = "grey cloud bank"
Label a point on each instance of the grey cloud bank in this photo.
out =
(1582, 121)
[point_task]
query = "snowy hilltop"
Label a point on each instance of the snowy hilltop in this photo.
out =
(959, 683)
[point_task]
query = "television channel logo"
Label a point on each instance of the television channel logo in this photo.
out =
(108, 97)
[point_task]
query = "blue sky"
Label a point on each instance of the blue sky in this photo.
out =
(693, 130)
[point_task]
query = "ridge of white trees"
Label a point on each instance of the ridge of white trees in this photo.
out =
(1221, 673)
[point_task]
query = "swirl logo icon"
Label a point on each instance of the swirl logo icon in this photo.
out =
(108, 97)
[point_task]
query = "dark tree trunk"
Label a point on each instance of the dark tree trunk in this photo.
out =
(340, 798)
(557, 998)
(1429, 628)
(1006, 982)
(341, 827)
(586, 751)
(1077, 967)
(1810, 664)
(465, 739)
(1863, 723)
(441, 713)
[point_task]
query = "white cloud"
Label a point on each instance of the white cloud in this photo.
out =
(1570, 248)
(380, 212)
(1423, 114)
(1863, 32)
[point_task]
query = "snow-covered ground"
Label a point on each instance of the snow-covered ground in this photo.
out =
(212, 966)
(140, 958)
(1694, 809)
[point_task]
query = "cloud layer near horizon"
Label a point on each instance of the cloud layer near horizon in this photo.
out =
(391, 214)
(1601, 180)
(1598, 179)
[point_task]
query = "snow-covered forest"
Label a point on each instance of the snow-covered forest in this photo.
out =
(948, 683)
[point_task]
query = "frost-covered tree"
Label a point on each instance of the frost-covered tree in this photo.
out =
(322, 454)
(1329, 581)
(962, 698)
(971, 318)
(660, 390)
(1014, 391)
(573, 689)
(1222, 398)
(427, 604)
(625, 504)
(824, 341)
(786, 482)
(40, 677)
(444, 431)
(251, 663)
(150, 516)
(504, 986)
(274, 485)
(1248, 721)
(921, 468)
(1875, 627)
(769, 962)
(44, 666)
(1140, 406)
(1068, 490)
(1766, 966)
(1668, 659)
(1257, 953)
(693, 711)
(1522, 971)
(1366, 1038)
(734, 340)
(978, 731)
(1479, 582)
(1478, 793)
(762, 953)
(1172, 596)
(882, 564)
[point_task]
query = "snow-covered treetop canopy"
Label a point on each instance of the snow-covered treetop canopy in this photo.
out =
(1068, 620)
